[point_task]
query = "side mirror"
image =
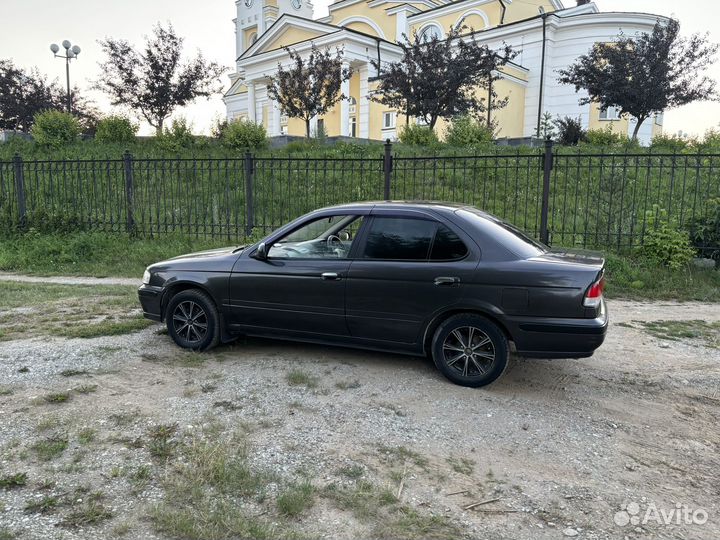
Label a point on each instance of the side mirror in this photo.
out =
(261, 252)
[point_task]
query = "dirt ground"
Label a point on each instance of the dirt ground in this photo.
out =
(556, 448)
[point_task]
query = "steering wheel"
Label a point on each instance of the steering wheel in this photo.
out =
(332, 239)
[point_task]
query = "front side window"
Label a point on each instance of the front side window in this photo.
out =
(329, 237)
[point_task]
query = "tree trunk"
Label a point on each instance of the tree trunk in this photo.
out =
(159, 127)
(637, 128)
(433, 121)
(307, 128)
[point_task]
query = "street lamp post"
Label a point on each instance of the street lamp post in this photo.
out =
(71, 51)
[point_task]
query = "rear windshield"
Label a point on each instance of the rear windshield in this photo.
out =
(506, 234)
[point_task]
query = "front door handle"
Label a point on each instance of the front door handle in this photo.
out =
(330, 275)
(446, 280)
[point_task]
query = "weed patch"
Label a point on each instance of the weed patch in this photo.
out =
(11, 481)
(301, 378)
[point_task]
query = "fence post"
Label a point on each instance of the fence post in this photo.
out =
(249, 207)
(20, 190)
(547, 171)
(387, 167)
(129, 191)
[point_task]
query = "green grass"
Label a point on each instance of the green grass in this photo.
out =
(50, 448)
(13, 480)
(300, 378)
(296, 499)
(57, 397)
(25, 295)
(43, 505)
(93, 254)
(105, 328)
(203, 490)
(461, 465)
(637, 279)
(74, 311)
(707, 333)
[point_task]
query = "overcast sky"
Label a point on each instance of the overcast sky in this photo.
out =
(29, 26)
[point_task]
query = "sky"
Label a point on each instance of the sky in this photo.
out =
(30, 26)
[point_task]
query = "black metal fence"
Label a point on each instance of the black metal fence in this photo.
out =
(592, 200)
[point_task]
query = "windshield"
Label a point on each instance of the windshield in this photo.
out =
(507, 235)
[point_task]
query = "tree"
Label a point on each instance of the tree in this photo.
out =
(645, 75)
(440, 78)
(307, 88)
(154, 82)
(570, 131)
(25, 94)
(547, 128)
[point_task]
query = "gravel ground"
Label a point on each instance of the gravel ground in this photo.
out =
(559, 448)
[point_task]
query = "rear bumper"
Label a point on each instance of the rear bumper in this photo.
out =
(541, 337)
(151, 302)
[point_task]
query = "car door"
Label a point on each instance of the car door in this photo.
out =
(409, 267)
(297, 288)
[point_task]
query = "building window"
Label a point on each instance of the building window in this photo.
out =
(353, 127)
(431, 31)
(352, 109)
(610, 114)
(388, 120)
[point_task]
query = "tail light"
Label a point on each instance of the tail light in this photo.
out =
(593, 296)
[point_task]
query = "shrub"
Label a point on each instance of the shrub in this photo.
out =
(241, 134)
(466, 131)
(569, 131)
(705, 232)
(115, 129)
(604, 137)
(670, 142)
(415, 135)
(177, 137)
(55, 128)
(664, 242)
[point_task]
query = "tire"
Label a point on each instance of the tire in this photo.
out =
(197, 308)
(472, 362)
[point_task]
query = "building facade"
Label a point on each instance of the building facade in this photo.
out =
(547, 36)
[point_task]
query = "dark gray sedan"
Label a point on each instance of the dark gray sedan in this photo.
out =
(416, 278)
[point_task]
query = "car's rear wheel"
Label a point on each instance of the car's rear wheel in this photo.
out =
(193, 320)
(470, 350)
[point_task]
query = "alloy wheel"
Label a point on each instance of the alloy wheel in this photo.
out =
(469, 351)
(190, 321)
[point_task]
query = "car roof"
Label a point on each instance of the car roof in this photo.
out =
(426, 205)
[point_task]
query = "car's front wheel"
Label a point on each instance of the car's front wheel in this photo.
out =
(470, 350)
(193, 320)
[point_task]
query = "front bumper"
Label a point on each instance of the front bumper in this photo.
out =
(151, 301)
(540, 337)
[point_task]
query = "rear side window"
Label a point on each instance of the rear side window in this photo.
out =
(399, 239)
(447, 245)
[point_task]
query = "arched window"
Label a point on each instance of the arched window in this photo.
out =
(252, 38)
(430, 31)
(353, 105)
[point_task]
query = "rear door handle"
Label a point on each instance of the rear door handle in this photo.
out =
(330, 275)
(446, 280)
